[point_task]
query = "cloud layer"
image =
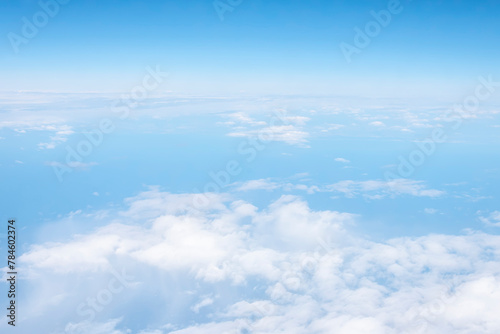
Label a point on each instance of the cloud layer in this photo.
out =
(231, 267)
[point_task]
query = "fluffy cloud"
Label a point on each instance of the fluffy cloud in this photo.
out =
(231, 267)
(208, 243)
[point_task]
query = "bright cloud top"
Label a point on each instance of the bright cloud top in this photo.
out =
(305, 270)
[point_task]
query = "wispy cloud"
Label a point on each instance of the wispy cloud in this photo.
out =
(371, 189)
(289, 134)
(60, 131)
(377, 123)
(289, 129)
(203, 303)
(77, 165)
(493, 219)
(61, 134)
(269, 185)
(377, 189)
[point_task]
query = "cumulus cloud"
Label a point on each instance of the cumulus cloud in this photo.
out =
(236, 268)
(190, 241)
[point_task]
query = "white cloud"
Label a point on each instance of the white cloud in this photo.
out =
(72, 164)
(371, 189)
(332, 127)
(241, 117)
(108, 327)
(61, 134)
(342, 160)
(283, 128)
(377, 123)
(186, 241)
(297, 120)
(283, 268)
(492, 219)
(377, 189)
(289, 134)
(204, 302)
(47, 146)
(261, 184)
(269, 185)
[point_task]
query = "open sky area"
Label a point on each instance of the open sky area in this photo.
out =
(249, 166)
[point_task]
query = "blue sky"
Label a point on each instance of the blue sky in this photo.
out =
(174, 172)
(279, 47)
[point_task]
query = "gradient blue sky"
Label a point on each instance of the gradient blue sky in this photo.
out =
(431, 48)
(381, 252)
